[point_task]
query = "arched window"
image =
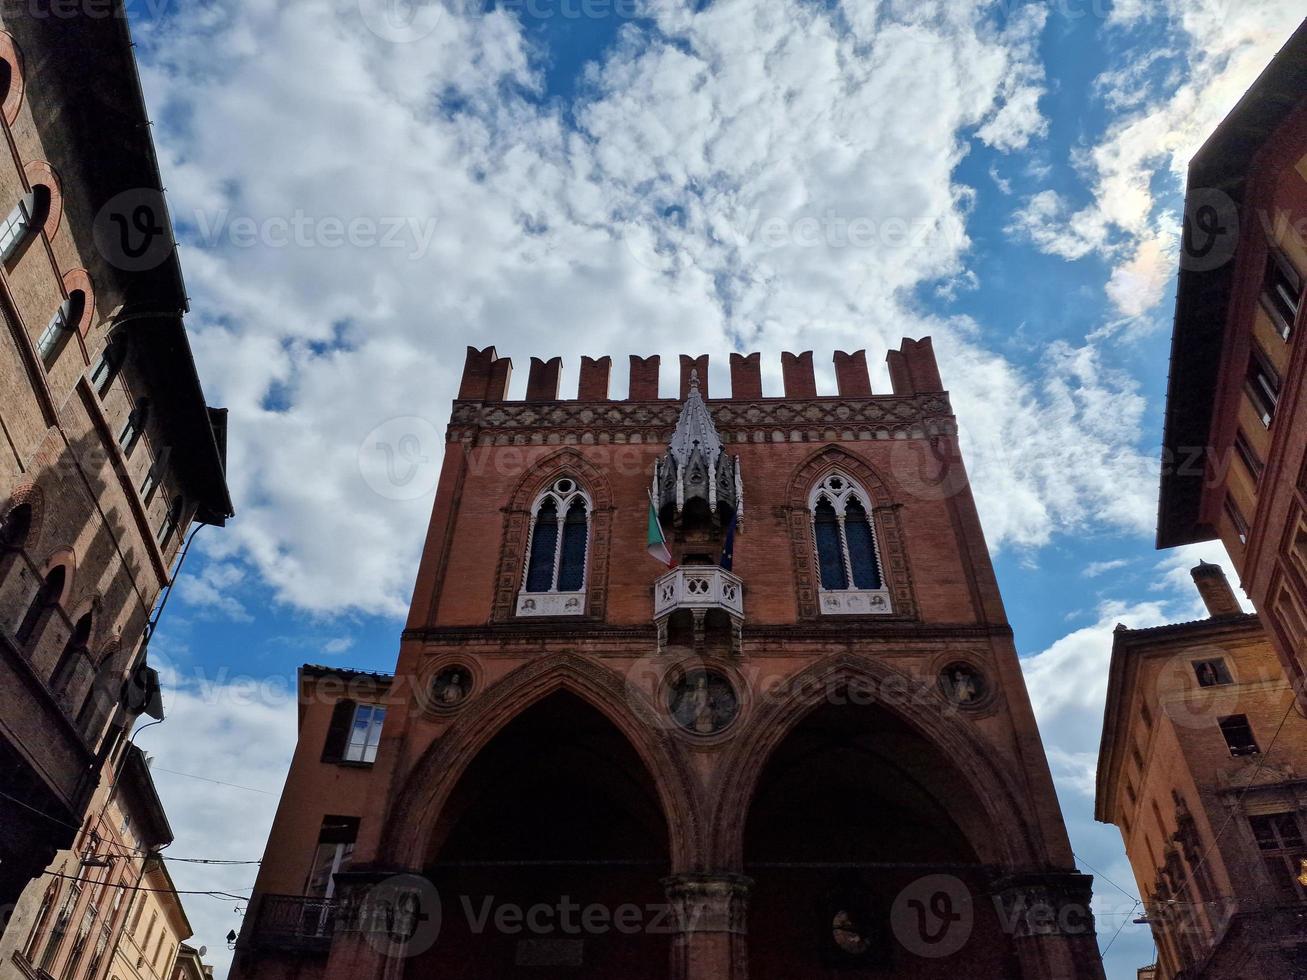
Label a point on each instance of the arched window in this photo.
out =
(110, 363)
(555, 573)
(27, 216)
(844, 537)
(42, 920)
(74, 650)
(61, 327)
(46, 598)
(14, 526)
(134, 427)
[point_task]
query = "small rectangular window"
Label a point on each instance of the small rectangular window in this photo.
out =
(13, 229)
(336, 842)
(1237, 519)
(1238, 735)
(1281, 292)
(365, 733)
(1212, 673)
(1263, 386)
(1248, 456)
(149, 485)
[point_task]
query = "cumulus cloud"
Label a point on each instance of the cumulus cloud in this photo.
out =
(730, 179)
(1167, 102)
(219, 763)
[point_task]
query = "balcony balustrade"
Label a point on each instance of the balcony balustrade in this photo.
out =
(698, 587)
(704, 600)
(295, 923)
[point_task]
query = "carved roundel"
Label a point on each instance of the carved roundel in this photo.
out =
(451, 687)
(965, 685)
(702, 701)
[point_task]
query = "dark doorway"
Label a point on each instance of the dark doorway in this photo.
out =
(860, 862)
(549, 856)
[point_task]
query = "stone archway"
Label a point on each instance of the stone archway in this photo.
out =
(549, 854)
(867, 854)
(411, 821)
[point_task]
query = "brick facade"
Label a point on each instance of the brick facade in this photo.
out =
(88, 542)
(780, 774)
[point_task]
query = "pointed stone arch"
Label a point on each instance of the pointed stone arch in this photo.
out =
(517, 526)
(885, 514)
(428, 785)
(1018, 839)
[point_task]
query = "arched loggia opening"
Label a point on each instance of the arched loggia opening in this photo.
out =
(870, 857)
(549, 855)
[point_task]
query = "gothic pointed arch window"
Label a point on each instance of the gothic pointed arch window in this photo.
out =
(46, 599)
(557, 549)
(845, 548)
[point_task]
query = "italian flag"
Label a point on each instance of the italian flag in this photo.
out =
(657, 540)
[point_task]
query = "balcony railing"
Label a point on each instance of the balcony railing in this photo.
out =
(698, 587)
(295, 923)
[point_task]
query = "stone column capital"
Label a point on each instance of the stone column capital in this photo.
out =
(708, 901)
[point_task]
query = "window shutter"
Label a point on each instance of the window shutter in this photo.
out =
(342, 717)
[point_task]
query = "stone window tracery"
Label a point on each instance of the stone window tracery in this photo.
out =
(554, 580)
(849, 570)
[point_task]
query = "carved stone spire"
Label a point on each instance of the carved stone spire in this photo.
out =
(695, 465)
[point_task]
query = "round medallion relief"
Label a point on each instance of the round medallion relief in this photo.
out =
(963, 684)
(451, 687)
(703, 702)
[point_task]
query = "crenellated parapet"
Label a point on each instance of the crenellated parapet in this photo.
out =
(912, 370)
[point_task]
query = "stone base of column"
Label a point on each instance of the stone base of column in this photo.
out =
(710, 911)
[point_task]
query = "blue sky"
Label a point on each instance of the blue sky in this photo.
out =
(568, 177)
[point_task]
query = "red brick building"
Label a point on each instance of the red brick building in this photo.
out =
(1199, 767)
(1235, 464)
(811, 751)
(108, 452)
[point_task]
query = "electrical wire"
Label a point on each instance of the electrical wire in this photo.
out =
(118, 844)
(1103, 954)
(141, 888)
(1099, 874)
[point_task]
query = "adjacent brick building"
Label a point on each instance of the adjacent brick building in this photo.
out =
(106, 906)
(108, 452)
(1235, 464)
(806, 748)
(1202, 768)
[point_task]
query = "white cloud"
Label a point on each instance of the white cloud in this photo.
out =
(647, 224)
(210, 589)
(232, 738)
(1223, 46)
(1097, 568)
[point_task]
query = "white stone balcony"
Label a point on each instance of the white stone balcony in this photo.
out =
(698, 587)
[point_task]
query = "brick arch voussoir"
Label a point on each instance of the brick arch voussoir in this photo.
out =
(34, 497)
(517, 519)
(812, 469)
(67, 557)
(427, 787)
(1019, 842)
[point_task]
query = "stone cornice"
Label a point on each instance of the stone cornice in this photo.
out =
(739, 420)
(871, 631)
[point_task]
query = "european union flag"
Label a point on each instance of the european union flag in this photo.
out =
(728, 549)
